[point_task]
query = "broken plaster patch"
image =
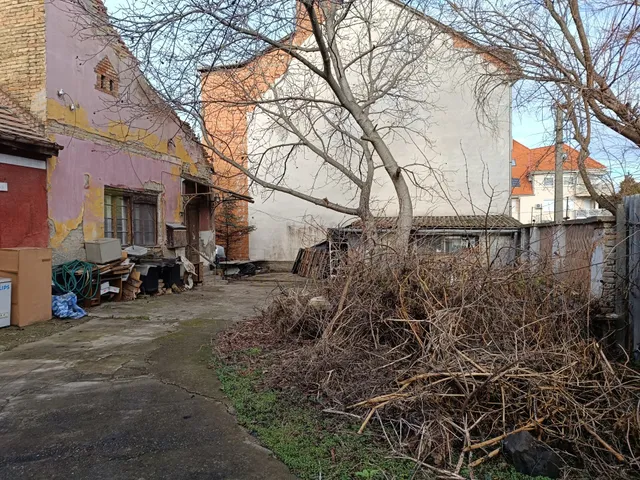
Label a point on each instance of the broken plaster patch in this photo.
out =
(154, 186)
(71, 247)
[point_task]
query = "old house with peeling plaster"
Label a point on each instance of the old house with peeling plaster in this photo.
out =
(129, 166)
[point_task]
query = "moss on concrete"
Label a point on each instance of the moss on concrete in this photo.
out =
(12, 336)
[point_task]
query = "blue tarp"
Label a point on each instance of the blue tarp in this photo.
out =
(66, 306)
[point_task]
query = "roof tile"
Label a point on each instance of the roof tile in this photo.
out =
(542, 159)
(18, 125)
(459, 222)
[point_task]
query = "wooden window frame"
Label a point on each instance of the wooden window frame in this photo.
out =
(130, 199)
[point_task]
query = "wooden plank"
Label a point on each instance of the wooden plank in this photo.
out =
(296, 264)
(304, 268)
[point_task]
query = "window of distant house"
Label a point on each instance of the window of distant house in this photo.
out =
(131, 217)
(515, 182)
(106, 77)
(547, 181)
(569, 180)
(427, 243)
(513, 162)
(548, 205)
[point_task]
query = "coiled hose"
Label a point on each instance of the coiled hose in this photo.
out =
(76, 277)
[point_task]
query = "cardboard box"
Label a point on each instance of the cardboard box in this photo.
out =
(30, 272)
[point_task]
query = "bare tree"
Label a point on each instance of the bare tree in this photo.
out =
(332, 82)
(580, 55)
(230, 227)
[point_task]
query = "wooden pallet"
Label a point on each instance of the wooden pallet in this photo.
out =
(312, 263)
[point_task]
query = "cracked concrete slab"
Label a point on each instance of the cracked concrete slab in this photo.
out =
(130, 395)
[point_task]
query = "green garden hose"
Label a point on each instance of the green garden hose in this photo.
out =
(76, 277)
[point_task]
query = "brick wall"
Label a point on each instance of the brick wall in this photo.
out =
(106, 77)
(22, 53)
(226, 95)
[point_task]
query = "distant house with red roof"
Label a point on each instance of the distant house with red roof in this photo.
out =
(532, 184)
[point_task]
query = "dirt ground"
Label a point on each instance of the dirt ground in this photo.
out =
(130, 392)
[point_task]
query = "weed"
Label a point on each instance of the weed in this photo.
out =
(368, 474)
(309, 443)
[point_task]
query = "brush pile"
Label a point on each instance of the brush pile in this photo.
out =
(448, 356)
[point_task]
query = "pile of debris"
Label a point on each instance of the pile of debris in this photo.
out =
(125, 276)
(163, 290)
(451, 357)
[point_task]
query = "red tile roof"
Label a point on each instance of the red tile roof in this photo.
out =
(18, 127)
(542, 159)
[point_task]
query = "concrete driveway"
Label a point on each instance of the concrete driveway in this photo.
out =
(130, 395)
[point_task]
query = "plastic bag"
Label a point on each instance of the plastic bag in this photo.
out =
(66, 306)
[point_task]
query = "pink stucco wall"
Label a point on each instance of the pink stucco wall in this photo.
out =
(107, 141)
(83, 166)
(72, 53)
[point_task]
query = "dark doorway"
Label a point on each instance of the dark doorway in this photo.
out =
(193, 230)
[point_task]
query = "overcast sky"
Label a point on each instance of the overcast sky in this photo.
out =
(536, 130)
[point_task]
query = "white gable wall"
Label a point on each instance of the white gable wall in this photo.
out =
(461, 165)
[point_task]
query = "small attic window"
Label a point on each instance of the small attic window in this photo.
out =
(107, 78)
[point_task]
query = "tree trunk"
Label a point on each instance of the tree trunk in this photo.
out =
(405, 206)
(602, 200)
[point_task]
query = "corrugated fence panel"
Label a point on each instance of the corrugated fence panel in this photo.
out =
(632, 211)
(576, 265)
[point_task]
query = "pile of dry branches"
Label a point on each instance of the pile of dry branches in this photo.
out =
(448, 356)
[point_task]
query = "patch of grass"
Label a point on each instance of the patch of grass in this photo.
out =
(253, 351)
(314, 445)
(311, 444)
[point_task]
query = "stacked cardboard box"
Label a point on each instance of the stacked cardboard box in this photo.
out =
(30, 272)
